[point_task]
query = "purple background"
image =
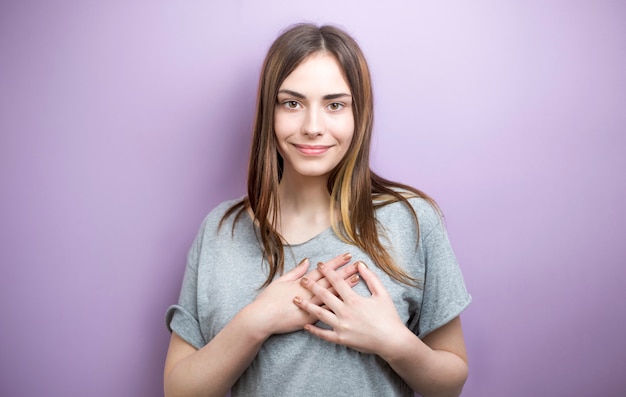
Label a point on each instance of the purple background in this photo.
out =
(123, 123)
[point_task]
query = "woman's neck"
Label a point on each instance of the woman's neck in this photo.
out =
(304, 194)
(304, 207)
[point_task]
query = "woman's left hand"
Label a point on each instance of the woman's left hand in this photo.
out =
(366, 324)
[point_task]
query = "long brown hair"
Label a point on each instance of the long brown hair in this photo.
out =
(355, 191)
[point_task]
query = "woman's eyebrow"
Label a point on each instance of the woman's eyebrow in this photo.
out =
(292, 93)
(336, 96)
(302, 96)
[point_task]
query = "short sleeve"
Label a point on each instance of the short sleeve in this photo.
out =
(182, 318)
(445, 295)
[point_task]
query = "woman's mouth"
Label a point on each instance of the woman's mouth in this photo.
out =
(312, 150)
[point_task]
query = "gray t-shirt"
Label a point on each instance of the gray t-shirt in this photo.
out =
(225, 269)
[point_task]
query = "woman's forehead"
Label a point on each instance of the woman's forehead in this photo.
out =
(319, 73)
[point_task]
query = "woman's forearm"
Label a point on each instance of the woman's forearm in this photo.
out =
(213, 369)
(429, 372)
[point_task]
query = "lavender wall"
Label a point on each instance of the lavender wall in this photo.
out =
(123, 123)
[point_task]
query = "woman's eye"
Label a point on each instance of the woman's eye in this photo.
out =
(335, 106)
(291, 104)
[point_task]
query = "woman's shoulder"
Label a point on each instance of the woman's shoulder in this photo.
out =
(214, 218)
(224, 206)
(397, 211)
(420, 204)
(425, 208)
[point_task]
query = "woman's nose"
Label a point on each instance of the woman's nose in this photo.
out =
(313, 123)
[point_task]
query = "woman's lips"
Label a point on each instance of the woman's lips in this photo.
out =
(312, 150)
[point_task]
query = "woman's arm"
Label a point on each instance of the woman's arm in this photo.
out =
(436, 366)
(213, 369)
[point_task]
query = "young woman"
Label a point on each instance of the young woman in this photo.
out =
(379, 313)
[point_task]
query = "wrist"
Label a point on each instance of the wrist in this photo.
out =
(401, 345)
(251, 321)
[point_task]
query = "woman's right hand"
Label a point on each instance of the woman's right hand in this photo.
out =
(273, 309)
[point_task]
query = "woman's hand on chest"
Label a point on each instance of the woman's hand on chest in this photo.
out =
(273, 311)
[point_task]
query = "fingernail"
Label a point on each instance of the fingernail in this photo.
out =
(354, 279)
(359, 264)
(320, 265)
(303, 261)
(346, 257)
(304, 281)
(297, 300)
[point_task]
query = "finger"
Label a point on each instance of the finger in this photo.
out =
(296, 272)
(327, 297)
(374, 284)
(345, 272)
(352, 281)
(338, 283)
(325, 334)
(334, 263)
(338, 261)
(322, 313)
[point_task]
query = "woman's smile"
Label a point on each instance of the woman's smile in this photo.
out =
(313, 150)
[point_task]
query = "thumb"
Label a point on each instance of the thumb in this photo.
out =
(296, 272)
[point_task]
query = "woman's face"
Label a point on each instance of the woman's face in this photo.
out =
(313, 118)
